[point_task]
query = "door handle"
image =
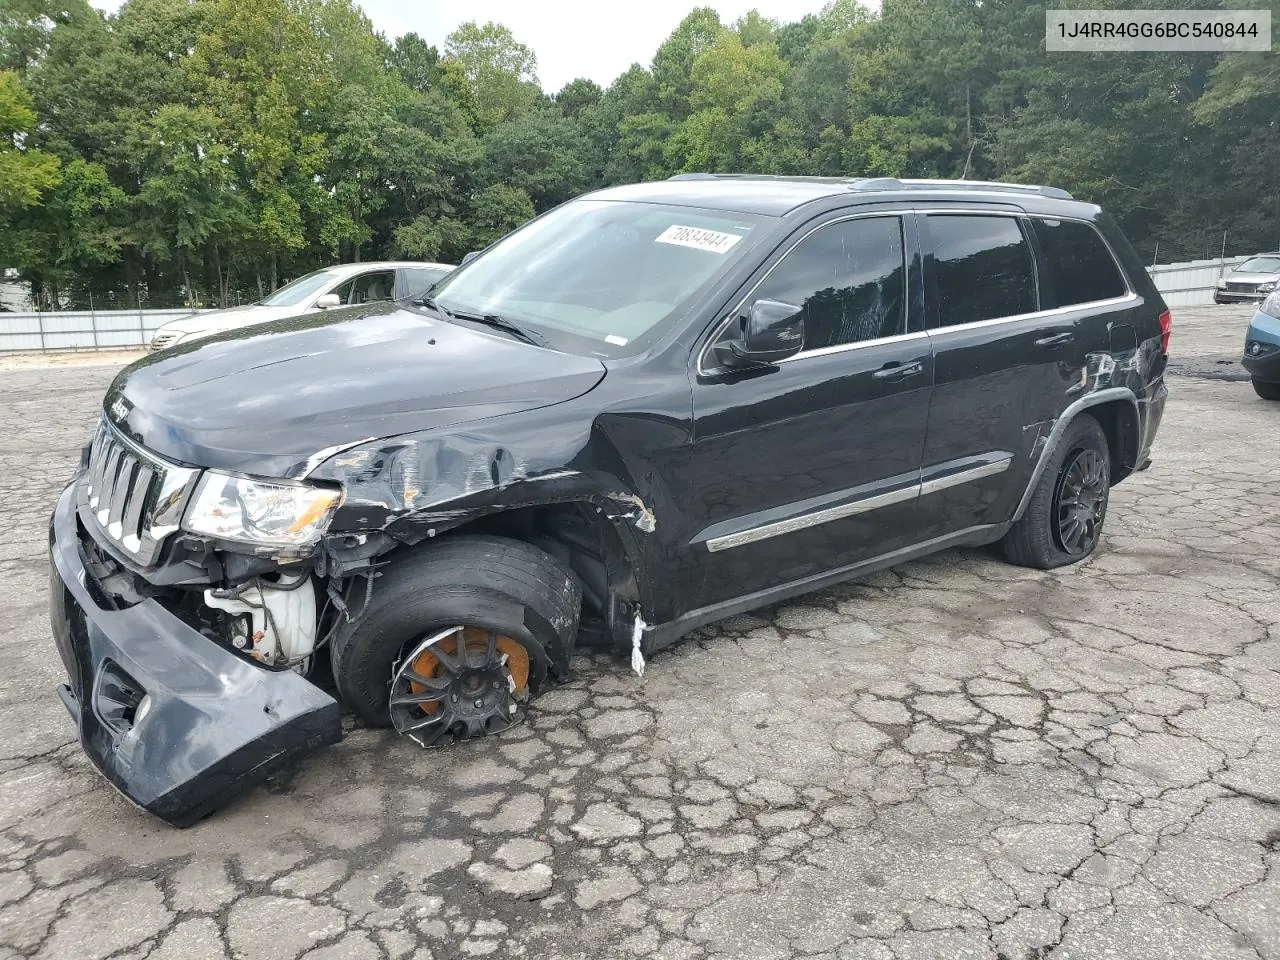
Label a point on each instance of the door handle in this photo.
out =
(894, 371)
(1057, 340)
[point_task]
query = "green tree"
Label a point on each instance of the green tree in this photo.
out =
(577, 95)
(540, 153)
(417, 62)
(499, 71)
(25, 174)
(673, 63)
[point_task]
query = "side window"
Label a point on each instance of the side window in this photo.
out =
(848, 278)
(983, 268)
(371, 287)
(1079, 264)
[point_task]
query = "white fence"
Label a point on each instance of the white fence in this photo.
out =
(82, 329)
(1191, 284)
(1181, 284)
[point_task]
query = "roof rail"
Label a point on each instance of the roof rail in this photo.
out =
(994, 185)
(869, 184)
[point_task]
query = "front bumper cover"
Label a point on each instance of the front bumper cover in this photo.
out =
(212, 725)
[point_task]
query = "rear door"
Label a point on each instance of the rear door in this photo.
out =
(1006, 364)
(814, 463)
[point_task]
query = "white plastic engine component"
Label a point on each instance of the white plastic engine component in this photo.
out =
(282, 618)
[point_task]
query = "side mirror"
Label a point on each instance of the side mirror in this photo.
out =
(467, 258)
(771, 331)
(328, 301)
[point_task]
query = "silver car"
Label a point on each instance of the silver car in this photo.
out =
(348, 283)
(1251, 281)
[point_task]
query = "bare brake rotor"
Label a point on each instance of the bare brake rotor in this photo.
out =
(459, 683)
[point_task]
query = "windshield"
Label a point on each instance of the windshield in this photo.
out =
(1260, 265)
(293, 293)
(600, 274)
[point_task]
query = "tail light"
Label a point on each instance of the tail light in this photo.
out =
(1166, 330)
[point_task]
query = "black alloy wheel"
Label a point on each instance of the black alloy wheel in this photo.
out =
(1080, 502)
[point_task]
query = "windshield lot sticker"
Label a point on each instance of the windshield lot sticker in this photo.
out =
(616, 340)
(696, 237)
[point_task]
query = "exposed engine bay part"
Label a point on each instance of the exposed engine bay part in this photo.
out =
(275, 623)
(453, 619)
(459, 683)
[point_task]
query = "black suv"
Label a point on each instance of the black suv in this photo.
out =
(650, 408)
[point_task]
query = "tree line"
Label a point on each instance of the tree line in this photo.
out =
(203, 151)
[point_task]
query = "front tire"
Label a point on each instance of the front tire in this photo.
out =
(491, 587)
(1266, 390)
(1063, 521)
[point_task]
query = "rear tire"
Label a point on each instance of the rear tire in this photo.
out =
(491, 583)
(1266, 390)
(1063, 522)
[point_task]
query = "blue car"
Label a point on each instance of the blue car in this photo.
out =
(1262, 349)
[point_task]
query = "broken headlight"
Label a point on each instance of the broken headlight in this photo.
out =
(260, 512)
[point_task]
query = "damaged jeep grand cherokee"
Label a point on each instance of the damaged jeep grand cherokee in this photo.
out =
(650, 408)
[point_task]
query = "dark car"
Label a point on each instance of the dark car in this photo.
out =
(1251, 281)
(1262, 349)
(648, 409)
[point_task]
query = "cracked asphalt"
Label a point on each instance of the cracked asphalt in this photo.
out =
(953, 759)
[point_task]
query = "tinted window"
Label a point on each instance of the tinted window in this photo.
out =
(849, 279)
(1080, 266)
(983, 268)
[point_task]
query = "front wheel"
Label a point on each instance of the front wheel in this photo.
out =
(457, 638)
(1063, 521)
(1266, 390)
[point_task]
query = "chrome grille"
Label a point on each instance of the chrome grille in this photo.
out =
(131, 497)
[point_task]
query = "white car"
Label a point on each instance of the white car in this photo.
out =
(348, 283)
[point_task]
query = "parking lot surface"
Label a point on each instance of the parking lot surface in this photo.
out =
(954, 759)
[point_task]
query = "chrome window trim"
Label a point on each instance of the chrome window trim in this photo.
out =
(804, 521)
(1037, 315)
(720, 327)
(856, 345)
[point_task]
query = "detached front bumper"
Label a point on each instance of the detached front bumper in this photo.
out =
(175, 722)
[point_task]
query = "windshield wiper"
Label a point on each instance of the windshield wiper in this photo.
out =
(502, 323)
(430, 303)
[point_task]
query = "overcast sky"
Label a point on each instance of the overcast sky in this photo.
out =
(597, 39)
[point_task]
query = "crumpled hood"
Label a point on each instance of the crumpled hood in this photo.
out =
(268, 399)
(1251, 277)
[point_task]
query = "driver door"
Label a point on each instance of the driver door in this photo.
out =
(813, 463)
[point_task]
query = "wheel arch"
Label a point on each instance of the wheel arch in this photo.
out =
(1116, 410)
(600, 546)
